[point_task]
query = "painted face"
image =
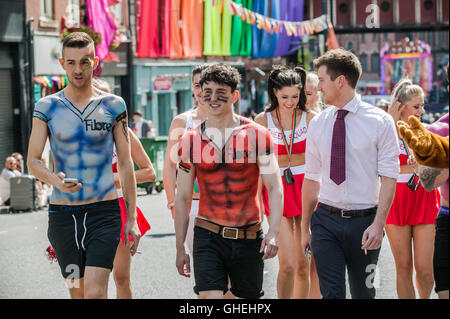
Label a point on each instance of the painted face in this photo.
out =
(328, 87)
(218, 98)
(288, 97)
(197, 89)
(79, 64)
(415, 107)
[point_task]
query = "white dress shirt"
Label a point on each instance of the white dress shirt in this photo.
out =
(371, 150)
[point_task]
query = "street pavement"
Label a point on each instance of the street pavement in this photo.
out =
(26, 273)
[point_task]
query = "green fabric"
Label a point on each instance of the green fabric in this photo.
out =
(241, 42)
(226, 30)
(211, 29)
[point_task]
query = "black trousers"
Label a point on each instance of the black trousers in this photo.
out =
(336, 246)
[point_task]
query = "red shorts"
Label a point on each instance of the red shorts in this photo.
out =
(292, 197)
(141, 221)
(413, 207)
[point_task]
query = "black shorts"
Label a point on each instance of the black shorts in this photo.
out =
(84, 235)
(216, 259)
(440, 258)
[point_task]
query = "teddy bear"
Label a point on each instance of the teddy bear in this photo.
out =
(429, 149)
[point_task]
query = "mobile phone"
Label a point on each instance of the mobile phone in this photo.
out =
(71, 180)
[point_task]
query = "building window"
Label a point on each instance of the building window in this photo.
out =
(385, 6)
(73, 14)
(428, 5)
(350, 46)
(364, 62)
(363, 38)
(375, 62)
(47, 9)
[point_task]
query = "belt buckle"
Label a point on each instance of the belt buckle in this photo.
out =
(343, 211)
(230, 228)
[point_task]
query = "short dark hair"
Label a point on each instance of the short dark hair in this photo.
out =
(77, 40)
(282, 76)
(221, 73)
(341, 62)
(138, 113)
(198, 69)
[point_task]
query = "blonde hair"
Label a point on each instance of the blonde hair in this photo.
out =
(405, 90)
(101, 85)
(312, 78)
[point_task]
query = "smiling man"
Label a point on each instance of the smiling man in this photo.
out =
(83, 124)
(228, 154)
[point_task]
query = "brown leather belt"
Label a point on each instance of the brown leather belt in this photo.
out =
(245, 232)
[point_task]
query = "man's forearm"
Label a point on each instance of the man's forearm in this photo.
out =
(386, 197)
(41, 172)
(310, 198)
(182, 208)
(169, 181)
(276, 208)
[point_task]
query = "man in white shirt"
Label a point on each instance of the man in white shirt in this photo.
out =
(139, 126)
(350, 145)
(8, 172)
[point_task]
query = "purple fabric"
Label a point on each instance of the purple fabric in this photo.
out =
(290, 10)
(337, 167)
(100, 21)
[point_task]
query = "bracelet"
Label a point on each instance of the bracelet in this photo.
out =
(170, 205)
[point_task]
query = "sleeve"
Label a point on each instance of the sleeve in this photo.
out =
(388, 149)
(117, 106)
(42, 109)
(185, 152)
(313, 163)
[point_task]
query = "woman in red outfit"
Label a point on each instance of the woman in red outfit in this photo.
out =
(410, 223)
(146, 173)
(287, 120)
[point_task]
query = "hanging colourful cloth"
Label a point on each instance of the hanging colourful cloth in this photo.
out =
(147, 34)
(192, 28)
(176, 49)
(225, 48)
(165, 28)
(241, 41)
(100, 21)
(212, 30)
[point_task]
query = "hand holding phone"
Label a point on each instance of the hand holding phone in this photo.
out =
(70, 180)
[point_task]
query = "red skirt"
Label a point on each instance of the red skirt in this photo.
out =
(292, 197)
(413, 207)
(141, 221)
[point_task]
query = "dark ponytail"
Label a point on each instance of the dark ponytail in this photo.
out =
(282, 76)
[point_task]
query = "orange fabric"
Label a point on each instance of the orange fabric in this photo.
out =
(192, 28)
(176, 50)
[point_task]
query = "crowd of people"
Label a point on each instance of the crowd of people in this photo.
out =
(328, 171)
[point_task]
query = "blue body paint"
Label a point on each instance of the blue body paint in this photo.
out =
(82, 142)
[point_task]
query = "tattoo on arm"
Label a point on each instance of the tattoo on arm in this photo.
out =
(123, 119)
(428, 177)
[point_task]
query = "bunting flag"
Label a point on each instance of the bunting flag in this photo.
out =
(291, 28)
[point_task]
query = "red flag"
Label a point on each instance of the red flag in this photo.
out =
(332, 42)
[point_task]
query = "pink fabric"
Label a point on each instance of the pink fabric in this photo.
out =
(440, 127)
(100, 21)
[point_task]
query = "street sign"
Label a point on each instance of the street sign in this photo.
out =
(162, 84)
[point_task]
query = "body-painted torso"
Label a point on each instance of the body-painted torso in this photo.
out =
(228, 178)
(82, 144)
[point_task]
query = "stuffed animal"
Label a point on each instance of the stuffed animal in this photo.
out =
(429, 149)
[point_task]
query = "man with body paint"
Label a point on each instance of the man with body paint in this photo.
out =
(83, 124)
(227, 154)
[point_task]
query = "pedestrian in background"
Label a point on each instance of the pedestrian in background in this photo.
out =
(140, 126)
(410, 225)
(349, 146)
(287, 120)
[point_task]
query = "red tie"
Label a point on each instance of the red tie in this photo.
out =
(337, 167)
